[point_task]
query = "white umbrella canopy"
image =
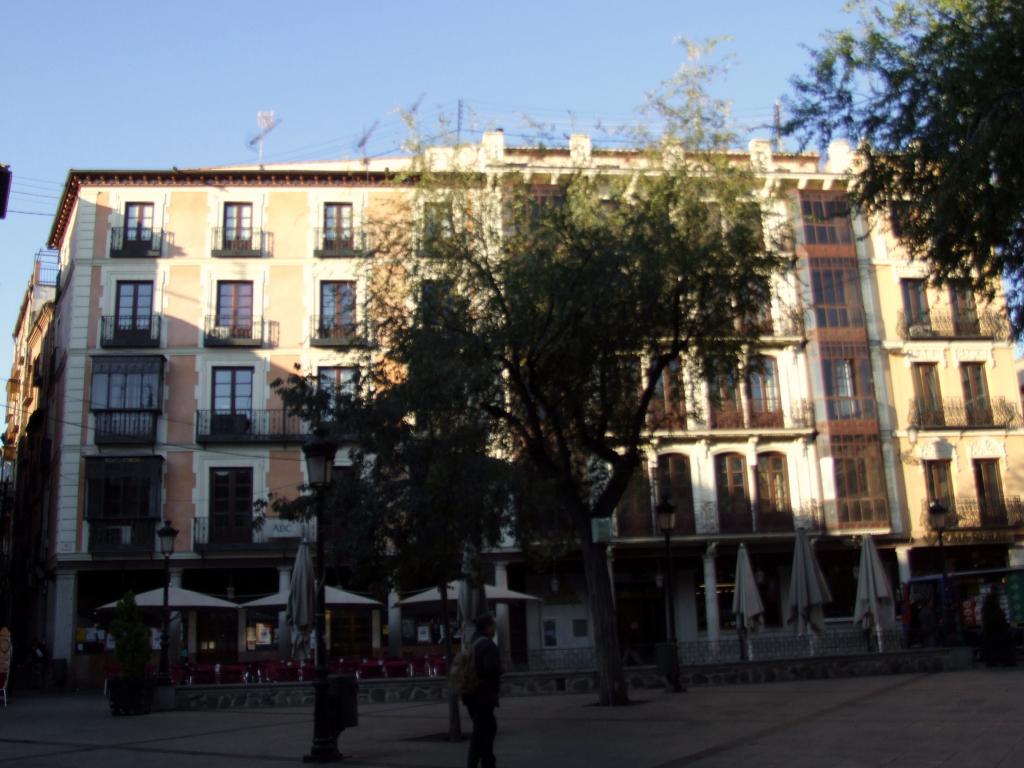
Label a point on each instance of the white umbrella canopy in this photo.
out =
(874, 608)
(332, 597)
(491, 592)
(182, 599)
(300, 610)
(746, 599)
(808, 591)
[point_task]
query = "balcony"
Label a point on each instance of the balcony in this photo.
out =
(125, 427)
(763, 415)
(999, 413)
(340, 243)
(118, 332)
(949, 325)
(328, 331)
(765, 517)
(233, 332)
(140, 243)
(861, 512)
(269, 426)
(121, 535)
(971, 514)
(273, 533)
(239, 243)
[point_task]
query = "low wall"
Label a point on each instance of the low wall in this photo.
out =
(584, 681)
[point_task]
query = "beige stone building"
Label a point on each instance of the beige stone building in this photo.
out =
(184, 293)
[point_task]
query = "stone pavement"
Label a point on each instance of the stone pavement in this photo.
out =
(962, 719)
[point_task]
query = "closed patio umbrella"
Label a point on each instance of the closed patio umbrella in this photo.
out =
(808, 591)
(301, 610)
(874, 607)
(746, 601)
(333, 597)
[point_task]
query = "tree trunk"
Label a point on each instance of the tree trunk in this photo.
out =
(454, 721)
(611, 679)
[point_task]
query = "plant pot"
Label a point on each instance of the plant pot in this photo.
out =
(130, 695)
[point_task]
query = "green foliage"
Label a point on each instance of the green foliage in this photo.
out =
(931, 92)
(131, 638)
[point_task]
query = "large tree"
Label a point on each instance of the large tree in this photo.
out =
(931, 92)
(566, 298)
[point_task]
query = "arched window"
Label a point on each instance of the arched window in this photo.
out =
(733, 493)
(674, 477)
(634, 510)
(668, 405)
(773, 508)
(726, 412)
(765, 402)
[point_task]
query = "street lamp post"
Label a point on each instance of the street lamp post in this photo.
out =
(666, 512)
(319, 453)
(166, 536)
(938, 518)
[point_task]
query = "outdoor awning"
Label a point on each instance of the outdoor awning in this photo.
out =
(177, 597)
(332, 597)
(492, 593)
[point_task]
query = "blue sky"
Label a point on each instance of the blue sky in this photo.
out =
(149, 85)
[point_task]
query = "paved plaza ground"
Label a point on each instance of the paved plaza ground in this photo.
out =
(962, 719)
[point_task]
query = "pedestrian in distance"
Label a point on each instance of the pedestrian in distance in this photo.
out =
(482, 703)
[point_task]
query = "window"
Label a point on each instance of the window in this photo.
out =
(989, 489)
(337, 308)
(438, 226)
(127, 383)
(138, 222)
(237, 226)
(939, 482)
(732, 491)
(972, 379)
(134, 310)
(836, 294)
(338, 225)
(123, 488)
(927, 396)
(668, 404)
(826, 219)
(674, 480)
(899, 212)
(234, 307)
(342, 380)
(915, 303)
(765, 402)
(846, 370)
(965, 311)
(231, 505)
(726, 411)
(859, 480)
(773, 483)
(232, 390)
(634, 510)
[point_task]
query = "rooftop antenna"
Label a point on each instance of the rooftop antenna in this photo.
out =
(364, 140)
(266, 122)
(777, 125)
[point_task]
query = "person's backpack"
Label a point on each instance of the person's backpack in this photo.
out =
(464, 674)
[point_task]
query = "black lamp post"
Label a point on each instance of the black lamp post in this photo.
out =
(319, 453)
(666, 512)
(938, 518)
(166, 535)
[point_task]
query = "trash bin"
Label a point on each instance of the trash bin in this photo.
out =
(342, 702)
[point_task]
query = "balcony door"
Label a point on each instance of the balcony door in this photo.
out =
(337, 308)
(238, 226)
(915, 302)
(989, 488)
(773, 509)
(231, 505)
(234, 307)
(965, 311)
(765, 402)
(927, 395)
(972, 379)
(939, 483)
(232, 401)
(733, 493)
(675, 482)
(134, 309)
(138, 223)
(338, 225)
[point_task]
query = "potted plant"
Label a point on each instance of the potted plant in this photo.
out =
(131, 693)
(996, 639)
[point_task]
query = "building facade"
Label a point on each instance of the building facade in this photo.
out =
(184, 294)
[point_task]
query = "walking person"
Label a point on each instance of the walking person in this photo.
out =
(482, 703)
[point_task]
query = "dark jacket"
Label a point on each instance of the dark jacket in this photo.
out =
(488, 672)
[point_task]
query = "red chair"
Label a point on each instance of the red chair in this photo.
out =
(307, 671)
(371, 669)
(345, 666)
(281, 672)
(420, 667)
(231, 674)
(177, 674)
(202, 674)
(397, 668)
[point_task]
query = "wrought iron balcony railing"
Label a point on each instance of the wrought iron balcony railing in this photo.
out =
(952, 325)
(329, 331)
(221, 331)
(957, 414)
(122, 534)
(969, 513)
(252, 426)
(763, 517)
(118, 331)
(763, 414)
(135, 242)
(212, 534)
(125, 427)
(340, 243)
(239, 242)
